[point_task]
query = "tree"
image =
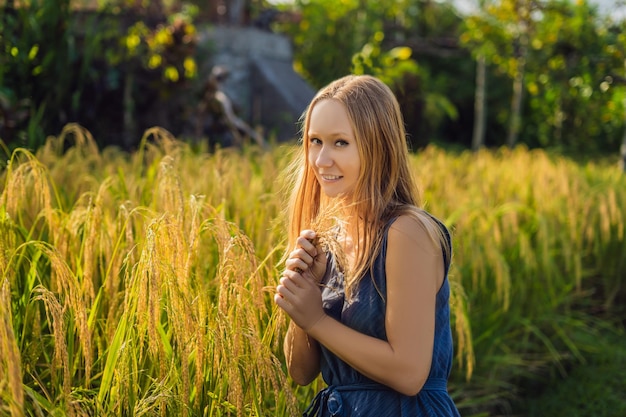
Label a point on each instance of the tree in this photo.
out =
(501, 35)
(480, 104)
(557, 55)
(100, 69)
(331, 33)
(616, 47)
(623, 147)
(574, 103)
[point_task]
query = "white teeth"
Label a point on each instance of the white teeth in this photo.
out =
(330, 177)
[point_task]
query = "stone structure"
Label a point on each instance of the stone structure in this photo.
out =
(261, 82)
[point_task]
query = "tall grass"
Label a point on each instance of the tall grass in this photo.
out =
(129, 287)
(539, 253)
(137, 284)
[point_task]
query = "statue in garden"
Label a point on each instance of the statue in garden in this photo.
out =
(217, 118)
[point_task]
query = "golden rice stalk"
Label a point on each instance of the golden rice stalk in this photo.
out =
(188, 310)
(157, 279)
(460, 312)
(114, 247)
(196, 203)
(83, 144)
(159, 400)
(327, 225)
(27, 191)
(232, 317)
(123, 257)
(8, 241)
(70, 295)
(238, 321)
(54, 313)
(155, 143)
(201, 346)
(145, 286)
(176, 250)
(169, 190)
(94, 226)
(10, 358)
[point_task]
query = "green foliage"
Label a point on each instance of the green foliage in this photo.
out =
(567, 83)
(155, 48)
(571, 60)
(571, 101)
(595, 388)
(333, 39)
(327, 36)
(36, 63)
(407, 79)
(329, 33)
(60, 65)
(132, 66)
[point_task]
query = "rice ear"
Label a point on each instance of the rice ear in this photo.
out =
(327, 226)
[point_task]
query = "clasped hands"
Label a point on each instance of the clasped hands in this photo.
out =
(298, 293)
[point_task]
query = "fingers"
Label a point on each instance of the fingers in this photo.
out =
(291, 285)
(300, 298)
(305, 241)
(286, 291)
(293, 280)
(280, 301)
(296, 262)
(295, 287)
(308, 234)
(288, 284)
(302, 257)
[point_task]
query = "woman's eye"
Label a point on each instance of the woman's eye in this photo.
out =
(341, 143)
(315, 141)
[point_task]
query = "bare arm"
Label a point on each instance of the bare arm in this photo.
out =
(302, 354)
(414, 274)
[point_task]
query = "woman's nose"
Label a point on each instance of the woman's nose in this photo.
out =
(324, 158)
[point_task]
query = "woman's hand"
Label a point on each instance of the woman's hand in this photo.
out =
(298, 293)
(307, 258)
(301, 299)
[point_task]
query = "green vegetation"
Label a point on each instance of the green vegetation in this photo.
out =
(141, 283)
(552, 76)
(108, 69)
(552, 71)
(592, 389)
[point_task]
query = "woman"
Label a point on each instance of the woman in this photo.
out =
(372, 316)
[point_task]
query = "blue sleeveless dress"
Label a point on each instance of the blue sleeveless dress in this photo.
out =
(351, 394)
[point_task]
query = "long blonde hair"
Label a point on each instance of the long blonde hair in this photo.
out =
(385, 188)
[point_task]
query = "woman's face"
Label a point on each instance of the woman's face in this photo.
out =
(333, 153)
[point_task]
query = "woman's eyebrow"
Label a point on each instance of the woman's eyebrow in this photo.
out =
(333, 134)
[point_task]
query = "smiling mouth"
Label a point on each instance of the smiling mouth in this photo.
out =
(330, 177)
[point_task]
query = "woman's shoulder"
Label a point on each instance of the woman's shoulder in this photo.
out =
(408, 227)
(419, 227)
(411, 216)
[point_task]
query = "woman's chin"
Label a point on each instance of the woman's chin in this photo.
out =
(336, 195)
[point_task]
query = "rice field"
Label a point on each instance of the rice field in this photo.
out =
(140, 284)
